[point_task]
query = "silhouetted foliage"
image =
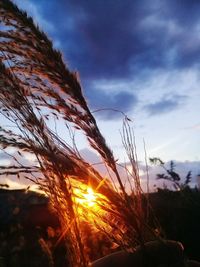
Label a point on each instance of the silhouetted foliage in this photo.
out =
(36, 86)
(171, 175)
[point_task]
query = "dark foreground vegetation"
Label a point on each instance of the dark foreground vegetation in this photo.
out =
(30, 234)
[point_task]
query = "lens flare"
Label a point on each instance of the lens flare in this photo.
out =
(86, 198)
(88, 203)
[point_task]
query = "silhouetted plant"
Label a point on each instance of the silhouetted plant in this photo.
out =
(35, 87)
(171, 175)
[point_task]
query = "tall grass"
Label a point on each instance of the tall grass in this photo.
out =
(36, 86)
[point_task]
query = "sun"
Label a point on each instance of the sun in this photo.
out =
(86, 197)
(90, 197)
(88, 203)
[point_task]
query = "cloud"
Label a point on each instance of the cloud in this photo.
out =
(110, 106)
(165, 105)
(162, 106)
(115, 42)
(121, 38)
(25, 159)
(181, 167)
(4, 156)
(152, 48)
(112, 39)
(90, 156)
(110, 98)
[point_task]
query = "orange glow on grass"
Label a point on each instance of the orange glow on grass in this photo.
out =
(88, 203)
(89, 198)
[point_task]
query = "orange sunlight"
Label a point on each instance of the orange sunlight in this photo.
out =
(89, 198)
(88, 203)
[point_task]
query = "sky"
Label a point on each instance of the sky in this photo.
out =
(140, 57)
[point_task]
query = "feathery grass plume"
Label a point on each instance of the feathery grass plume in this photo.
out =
(45, 77)
(35, 85)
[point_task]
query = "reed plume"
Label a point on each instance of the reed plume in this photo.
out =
(36, 86)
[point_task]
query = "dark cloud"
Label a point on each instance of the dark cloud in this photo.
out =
(165, 105)
(108, 38)
(181, 11)
(104, 34)
(110, 103)
(120, 38)
(162, 106)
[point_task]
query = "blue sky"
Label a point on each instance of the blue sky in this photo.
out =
(140, 57)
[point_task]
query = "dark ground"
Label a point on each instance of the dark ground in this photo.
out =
(29, 231)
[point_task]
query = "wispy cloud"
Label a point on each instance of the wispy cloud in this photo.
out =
(165, 105)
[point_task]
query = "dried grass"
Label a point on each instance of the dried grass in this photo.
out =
(36, 86)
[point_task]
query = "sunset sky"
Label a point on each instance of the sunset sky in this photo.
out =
(140, 57)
